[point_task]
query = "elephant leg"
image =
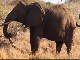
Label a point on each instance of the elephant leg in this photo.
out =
(58, 46)
(36, 33)
(68, 45)
(32, 41)
(68, 40)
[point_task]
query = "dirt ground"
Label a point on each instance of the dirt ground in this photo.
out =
(21, 49)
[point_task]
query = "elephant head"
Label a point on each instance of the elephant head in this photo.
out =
(28, 15)
(35, 14)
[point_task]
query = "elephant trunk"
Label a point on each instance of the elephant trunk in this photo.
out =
(7, 21)
(5, 30)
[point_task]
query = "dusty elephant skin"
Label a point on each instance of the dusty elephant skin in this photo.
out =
(31, 16)
(53, 23)
(59, 26)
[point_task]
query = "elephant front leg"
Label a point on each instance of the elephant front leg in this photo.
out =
(34, 43)
(35, 35)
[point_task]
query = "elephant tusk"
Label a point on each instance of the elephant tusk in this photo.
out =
(2, 24)
(23, 2)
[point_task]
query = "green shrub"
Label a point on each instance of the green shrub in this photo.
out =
(49, 4)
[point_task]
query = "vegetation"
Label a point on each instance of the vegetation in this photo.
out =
(20, 49)
(49, 4)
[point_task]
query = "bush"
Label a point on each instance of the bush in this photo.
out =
(49, 4)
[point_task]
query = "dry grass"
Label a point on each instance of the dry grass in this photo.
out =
(21, 49)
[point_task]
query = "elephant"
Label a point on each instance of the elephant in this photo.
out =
(25, 14)
(54, 23)
(59, 26)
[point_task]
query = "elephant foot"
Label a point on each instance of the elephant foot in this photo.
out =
(34, 48)
(68, 45)
(34, 51)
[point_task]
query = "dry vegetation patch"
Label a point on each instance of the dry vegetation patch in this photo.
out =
(21, 49)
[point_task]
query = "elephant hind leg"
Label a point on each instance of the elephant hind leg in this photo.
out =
(68, 40)
(58, 46)
(68, 45)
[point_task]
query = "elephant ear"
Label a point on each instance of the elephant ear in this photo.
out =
(35, 15)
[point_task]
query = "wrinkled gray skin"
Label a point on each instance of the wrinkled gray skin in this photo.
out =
(51, 25)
